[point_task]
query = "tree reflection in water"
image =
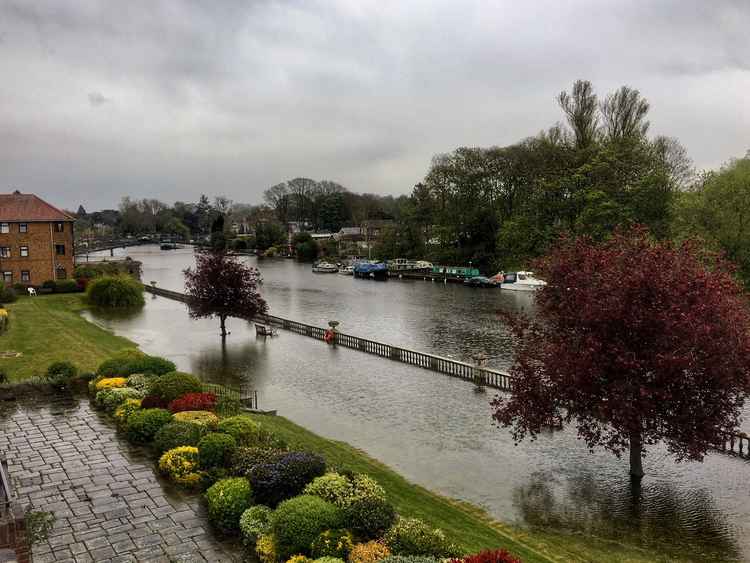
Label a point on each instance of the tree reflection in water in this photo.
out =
(687, 524)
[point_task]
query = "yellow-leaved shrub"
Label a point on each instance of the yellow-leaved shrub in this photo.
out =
(181, 465)
(111, 383)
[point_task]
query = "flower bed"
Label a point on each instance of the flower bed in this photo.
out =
(288, 506)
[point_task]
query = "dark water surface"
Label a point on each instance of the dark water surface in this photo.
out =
(433, 429)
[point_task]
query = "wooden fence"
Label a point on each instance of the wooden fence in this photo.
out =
(453, 368)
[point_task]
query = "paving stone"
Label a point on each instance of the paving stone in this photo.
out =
(107, 498)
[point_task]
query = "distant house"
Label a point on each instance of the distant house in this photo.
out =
(369, 230)
(36, 240)
(349, 233)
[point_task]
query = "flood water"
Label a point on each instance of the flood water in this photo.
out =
(434, 429)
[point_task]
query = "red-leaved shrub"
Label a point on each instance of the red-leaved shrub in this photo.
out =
(194, 402)
(153, 402)
(496, 556)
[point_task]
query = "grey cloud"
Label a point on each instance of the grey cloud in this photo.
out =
(235, 96)
(97, 99)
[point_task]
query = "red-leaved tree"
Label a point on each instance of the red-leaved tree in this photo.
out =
(634, 342)
(222, 286)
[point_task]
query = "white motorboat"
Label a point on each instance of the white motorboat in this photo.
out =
(347, 271)
(325, 268)
(521, 281)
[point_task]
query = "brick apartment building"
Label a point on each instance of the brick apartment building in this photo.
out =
(36, 240)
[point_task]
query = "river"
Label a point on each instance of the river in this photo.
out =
(434, 429)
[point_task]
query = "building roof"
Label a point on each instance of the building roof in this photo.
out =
(28, 207)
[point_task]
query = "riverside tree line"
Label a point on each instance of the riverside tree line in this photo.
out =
(500, 207)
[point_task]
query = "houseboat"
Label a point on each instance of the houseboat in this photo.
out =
(455, 272)
(403, 265)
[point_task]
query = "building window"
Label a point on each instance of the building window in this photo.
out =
(4, 228)
(24, 251)
(60, 249)
(25, 276)
(59, 227)
(61, 273)
(4, 251)
(23, 228)
(8, 277)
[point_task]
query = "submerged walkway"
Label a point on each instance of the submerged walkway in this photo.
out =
(109, 503)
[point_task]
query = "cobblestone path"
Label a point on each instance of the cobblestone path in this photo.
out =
(109, 503)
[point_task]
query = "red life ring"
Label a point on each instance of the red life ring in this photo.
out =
(328, 336)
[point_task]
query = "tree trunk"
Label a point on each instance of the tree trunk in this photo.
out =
(636, 456)
(223, 321)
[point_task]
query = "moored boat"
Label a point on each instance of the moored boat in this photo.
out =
(324, 268)
(376, 270)
(521, 281)
(479, 281)
(347, 271)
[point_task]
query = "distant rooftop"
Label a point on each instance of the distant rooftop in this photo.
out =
(28, 207)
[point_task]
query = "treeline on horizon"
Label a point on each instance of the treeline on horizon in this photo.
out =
(501, 207)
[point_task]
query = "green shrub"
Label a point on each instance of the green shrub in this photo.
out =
(131, 361)
(242, 428)
(176, 434)
(60, 374)
(369, 517)
(328, 559)
(215, 449)
(411, 536)
(145, 423)
(298, 521)
(228, 405)
(255, 522)
(334, 488)
(110, 399)
(342, 490)
(115, 291)
(227, 500)
(123, 412)
(333, 543)
(173, 385)
(7, 294)
(66, 286)
(212, 475)
(139, 381)
(245, 459)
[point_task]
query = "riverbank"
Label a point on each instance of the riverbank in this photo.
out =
(469, 525)
(49, 328)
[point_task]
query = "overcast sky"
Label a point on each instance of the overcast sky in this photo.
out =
(168, 99)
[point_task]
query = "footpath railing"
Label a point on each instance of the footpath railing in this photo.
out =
(733, 444)
(453, 368)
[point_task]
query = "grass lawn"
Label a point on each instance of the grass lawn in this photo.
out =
(49, 328)
(465, 524)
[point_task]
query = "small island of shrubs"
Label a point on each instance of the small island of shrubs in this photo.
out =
(115, 292)
(286, 505)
